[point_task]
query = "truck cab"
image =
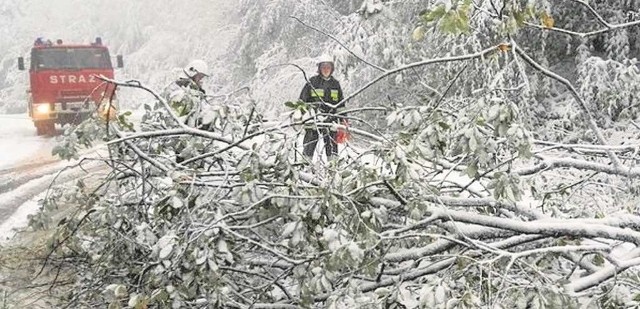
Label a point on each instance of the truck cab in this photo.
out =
(64, 83)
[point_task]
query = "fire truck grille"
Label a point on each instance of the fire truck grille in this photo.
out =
(71, 106)
(71, 96)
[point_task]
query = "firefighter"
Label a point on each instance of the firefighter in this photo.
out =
(186, 93)
(318, 91)
(185, 96)
(194, 73)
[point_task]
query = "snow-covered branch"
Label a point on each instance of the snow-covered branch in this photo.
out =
(569, 227)
(477, 55)
(581, 103)
(550, 163)
(606, 273)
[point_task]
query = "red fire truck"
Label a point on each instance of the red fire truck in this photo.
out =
(64, 84)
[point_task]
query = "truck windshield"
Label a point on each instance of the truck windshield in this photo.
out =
(70, 58)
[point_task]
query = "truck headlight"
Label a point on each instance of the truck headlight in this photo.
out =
(107, 110)
(44, 108)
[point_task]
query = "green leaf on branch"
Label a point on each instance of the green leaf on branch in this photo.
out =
(598, 260)
(418, 33)
(435, 14)
(524, 15)
(472, 169)
(506, 186)
(124, 122)
(454, 21)
(520, 18)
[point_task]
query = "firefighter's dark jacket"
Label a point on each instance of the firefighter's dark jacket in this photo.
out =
(187, 82)
(319, 90)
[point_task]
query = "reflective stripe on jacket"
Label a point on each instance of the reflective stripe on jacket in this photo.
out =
(320, 90)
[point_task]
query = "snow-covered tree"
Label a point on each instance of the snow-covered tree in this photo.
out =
(492, 165)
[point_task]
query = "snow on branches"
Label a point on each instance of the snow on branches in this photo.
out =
(463, 186)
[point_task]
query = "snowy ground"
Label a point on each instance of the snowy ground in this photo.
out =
(19, 144)
(27, 169)
(21, 152)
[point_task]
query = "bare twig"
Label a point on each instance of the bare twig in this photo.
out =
(595, 13)
(387, 73)
(341, 44)
(585, 34)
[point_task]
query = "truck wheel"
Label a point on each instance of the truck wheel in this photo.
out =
(45, 128)
(39, 128)
(51, 128)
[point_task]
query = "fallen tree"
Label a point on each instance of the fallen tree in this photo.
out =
(452, 203)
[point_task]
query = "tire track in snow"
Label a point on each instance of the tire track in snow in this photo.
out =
(11, 178)
(33, 185)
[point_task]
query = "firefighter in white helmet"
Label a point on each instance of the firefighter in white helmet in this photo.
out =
(195, 71)
(320, 90)
(185, 94)
(186, 97)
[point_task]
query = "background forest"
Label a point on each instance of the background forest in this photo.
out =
(493, 162)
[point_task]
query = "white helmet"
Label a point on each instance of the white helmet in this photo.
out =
(325, 59)
(197, 66)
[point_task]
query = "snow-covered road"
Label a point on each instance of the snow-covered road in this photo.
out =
(19, 145)
(27, 169)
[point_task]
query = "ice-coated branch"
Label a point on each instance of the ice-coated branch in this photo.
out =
(487, 201)
(591, 148)
(441, 245)
(608, 28)
(137, 84)
(414, 273)
(139, 152)
(591, 122)
(275, 252)
(595, 13)
(239, 142)
(549, 163)
(275, 281)
(606, 273)
(178, 131)
(567, 227)
(561, 249)
(477, 55)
